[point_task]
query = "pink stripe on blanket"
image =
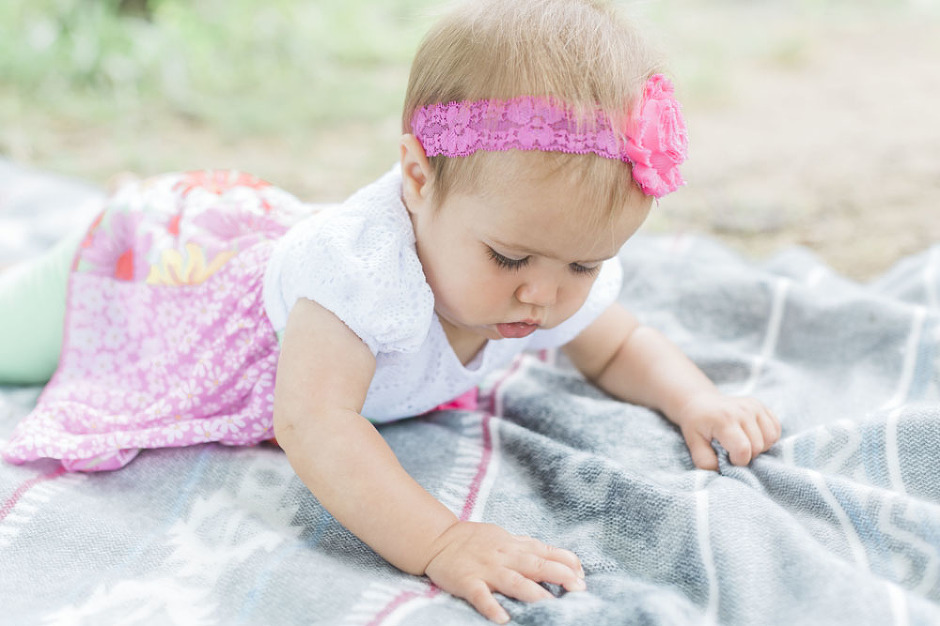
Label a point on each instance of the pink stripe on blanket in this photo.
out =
(401, 600)
(472, 497)
(481, 470)
(10, 504)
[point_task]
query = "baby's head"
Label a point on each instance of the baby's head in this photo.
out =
(515, 103)
(580, 55)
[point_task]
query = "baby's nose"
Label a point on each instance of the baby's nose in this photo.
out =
(540, 292)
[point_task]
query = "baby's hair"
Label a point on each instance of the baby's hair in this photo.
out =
(581, 52)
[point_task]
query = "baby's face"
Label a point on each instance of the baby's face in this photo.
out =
(521, 256)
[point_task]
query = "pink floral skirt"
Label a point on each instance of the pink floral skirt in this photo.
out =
(166, 338)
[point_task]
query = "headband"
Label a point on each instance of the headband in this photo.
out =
(654, 142)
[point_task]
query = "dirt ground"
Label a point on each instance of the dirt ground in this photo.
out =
(819, 129)
(830, 140)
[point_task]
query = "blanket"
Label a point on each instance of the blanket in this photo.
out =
(838, 524)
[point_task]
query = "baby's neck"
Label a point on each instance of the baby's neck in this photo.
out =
(465, 343)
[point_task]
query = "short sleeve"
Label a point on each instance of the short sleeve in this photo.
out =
(357, 260)
(603, 293)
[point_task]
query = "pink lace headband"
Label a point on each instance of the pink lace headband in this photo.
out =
(655, 142)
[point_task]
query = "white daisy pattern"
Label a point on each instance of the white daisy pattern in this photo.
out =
(167, 343)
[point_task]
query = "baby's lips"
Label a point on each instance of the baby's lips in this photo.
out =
(516, 330)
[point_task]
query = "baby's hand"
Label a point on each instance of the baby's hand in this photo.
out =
(473, 560)
(744, 426)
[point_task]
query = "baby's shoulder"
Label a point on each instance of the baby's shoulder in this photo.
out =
(358, 260)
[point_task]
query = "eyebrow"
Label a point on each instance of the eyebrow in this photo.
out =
(533, 251)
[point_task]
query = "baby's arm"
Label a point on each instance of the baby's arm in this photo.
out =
(638, 364)
(323, 374)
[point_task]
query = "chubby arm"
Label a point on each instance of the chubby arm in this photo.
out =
(638, 364)
(323, 375)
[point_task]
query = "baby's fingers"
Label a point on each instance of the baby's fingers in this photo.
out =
(770, 427)
(703, 455)
(755, 435)
(551, 553)
(736, 440)
(481, 598)
(516, 585)
(544, 570)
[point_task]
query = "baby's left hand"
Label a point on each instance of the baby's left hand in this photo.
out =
(743, 426)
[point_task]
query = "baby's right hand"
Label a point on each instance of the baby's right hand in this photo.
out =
(472, 560)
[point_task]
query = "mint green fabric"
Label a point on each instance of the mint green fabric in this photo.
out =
(32, 314)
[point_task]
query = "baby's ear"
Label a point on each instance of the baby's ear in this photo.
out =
(416, 174)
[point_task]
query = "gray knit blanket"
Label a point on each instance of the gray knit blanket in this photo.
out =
(838, 524)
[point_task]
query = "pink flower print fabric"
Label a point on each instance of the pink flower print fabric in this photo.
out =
(113, 254)
(167, 342)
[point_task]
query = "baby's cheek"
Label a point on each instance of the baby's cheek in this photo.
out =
(578, 296)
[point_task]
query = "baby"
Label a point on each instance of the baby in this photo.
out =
(213, 307)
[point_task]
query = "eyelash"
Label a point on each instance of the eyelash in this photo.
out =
(517, 264)
(586, 271)
(506, 263)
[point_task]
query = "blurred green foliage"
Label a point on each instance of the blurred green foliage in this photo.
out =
(240, 66)
(308, 89)
(232, 64)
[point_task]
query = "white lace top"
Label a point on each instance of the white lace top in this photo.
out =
(358, 260)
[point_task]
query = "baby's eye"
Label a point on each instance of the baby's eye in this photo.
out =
(586, 270)
(506, 263)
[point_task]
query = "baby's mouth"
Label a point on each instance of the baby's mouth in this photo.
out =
(516, 330)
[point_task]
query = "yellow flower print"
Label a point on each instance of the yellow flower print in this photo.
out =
(175, 269)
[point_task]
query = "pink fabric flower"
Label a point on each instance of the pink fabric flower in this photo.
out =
(658, 141)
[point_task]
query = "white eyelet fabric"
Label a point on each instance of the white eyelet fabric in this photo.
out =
(358, 260)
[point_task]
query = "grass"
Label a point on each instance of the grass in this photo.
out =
(244, 66)
(241, 66)
(305, 92)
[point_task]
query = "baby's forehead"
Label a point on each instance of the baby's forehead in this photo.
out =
(594, 187)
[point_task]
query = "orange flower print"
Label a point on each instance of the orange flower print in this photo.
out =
(174, 226)
(218, 181)
(124, 267)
